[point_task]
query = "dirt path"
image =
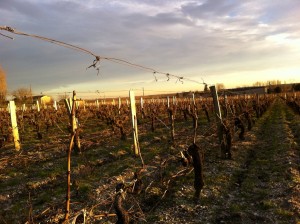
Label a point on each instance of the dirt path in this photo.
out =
(267, 186)
(260, 185)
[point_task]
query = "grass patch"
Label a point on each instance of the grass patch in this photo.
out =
(284, 213)
(237, 208)
(267, 204)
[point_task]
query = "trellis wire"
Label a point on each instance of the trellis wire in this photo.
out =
(98, 58)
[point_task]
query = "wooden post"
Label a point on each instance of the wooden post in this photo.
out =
(38, 106)
(14, 125)
(134, 123)
(67, 103)
(142, 103)
(193, 98)
(195, 118)
(172, 124)
(258, 105)
(218, 116)
(55, 105)
(142, 107)
(226, 105)
(74, 137)
(119, 105)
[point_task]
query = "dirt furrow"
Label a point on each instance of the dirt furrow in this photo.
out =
(264, 182)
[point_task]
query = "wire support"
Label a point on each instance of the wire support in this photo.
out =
(99, 58)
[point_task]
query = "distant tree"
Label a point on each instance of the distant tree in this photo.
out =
(258, 84)
(22, 95)
(3, 86)
(274, 82)
(268, 83)
(220, 86)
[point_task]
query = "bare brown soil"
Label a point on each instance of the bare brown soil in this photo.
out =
(260, 184)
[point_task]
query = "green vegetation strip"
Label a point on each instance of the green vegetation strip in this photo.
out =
(261, 186)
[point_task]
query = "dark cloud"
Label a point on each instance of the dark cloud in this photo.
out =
(166, 35)
(140, 21)
(209, 9)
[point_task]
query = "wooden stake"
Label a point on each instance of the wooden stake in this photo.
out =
(67, 103)
(119, 105)
(168, 102)
(172, 123)
(218, 116)
(73, 122)
(134, 123)
(38, 106)
(195, 119)
(14, 125)
(55, 105)
(142, 103)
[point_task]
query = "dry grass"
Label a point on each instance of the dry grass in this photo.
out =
(261, 184)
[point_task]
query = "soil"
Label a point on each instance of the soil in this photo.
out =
(260, 184)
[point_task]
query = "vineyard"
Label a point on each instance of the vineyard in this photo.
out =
(192, 165)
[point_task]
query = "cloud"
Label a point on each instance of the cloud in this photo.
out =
(210, 9)
(180, 37)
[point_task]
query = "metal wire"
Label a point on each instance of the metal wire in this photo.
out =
(98, 58)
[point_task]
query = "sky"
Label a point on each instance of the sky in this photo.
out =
(233, 42)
